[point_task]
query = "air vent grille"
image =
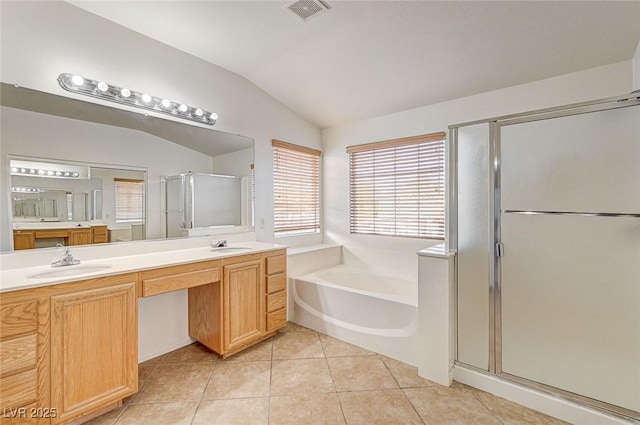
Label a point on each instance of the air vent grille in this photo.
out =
(306, 9)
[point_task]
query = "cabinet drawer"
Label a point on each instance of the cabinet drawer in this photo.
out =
(276, 264)
(44, 234)
(180, 277)
(276, 320)
(276, 301)
(276, 283)
(18, 390)
(19, 318)
(18, 353)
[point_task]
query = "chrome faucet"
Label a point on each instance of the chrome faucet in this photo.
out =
(219, 244)
(67, 257)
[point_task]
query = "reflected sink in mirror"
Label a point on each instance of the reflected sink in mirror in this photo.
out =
(71, 271)
(231, 248)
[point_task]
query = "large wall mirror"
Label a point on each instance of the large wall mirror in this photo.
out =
(81, 173)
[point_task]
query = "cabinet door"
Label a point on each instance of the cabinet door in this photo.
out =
(23, 240)
(94, 348)
(243, 305)
(80, 237)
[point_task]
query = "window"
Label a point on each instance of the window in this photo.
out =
(296, 189)
(129, 200)
(397, 187)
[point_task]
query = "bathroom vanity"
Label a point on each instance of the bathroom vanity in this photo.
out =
(26, 237)
(69, 344)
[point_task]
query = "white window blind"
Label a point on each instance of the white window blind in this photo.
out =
(296, 189)
(129, 200)
(397, 187)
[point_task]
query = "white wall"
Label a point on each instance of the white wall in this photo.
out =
(606, 81)
(636, 69)
(41, 40)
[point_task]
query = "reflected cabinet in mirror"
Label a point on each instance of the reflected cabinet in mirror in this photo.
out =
(80, 173)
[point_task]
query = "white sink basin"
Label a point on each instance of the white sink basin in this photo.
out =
(230, 248)
(65, 271)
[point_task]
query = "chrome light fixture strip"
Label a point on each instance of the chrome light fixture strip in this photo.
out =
(582, 214)
(125, 96)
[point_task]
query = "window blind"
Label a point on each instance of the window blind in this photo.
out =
(129, 200)
(296, 189)
(397, 187)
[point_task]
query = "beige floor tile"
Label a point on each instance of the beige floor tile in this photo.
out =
(175, 382)
(360, 373)
(310, 409)
(192, 353)
(260, 351)
(248, 411)
(511, 413)
(239, 380)
(380, 407)
(335, 348)
(292, 328)
(144, 371)
(301, 376)
(449, 406)
(406, 375)
(153, 361)
(297, 346)
(108, 418)
(159, 414)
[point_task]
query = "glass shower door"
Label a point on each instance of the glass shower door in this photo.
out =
(569, 293)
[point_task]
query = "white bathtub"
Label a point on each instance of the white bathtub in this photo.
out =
(374, 309)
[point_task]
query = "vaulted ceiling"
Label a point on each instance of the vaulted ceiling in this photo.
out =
(363, 59)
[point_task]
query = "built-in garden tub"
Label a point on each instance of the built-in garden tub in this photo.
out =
(373, 308)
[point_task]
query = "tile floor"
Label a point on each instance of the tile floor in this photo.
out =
(303, 377)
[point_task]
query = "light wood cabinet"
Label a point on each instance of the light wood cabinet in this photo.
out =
(167, 279)
(94, 335)
(243, 303)
(23, 239)
(23, 357)
(247, 306)
(99, 234)
(79, 236)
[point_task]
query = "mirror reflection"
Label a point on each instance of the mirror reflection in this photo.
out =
(82, 173)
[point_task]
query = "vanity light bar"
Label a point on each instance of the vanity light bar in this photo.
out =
(125, 96)
(25, 189)
(35, 172)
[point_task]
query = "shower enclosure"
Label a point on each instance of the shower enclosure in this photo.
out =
(194, 200)
(545, 218)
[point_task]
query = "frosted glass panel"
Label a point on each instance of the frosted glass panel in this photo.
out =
(175, 206)
(472, 246)
(571, 304)
(558, 164)
(217, 200)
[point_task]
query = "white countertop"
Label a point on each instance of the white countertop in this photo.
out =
(13, 279)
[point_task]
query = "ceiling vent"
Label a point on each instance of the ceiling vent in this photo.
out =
(306, 9)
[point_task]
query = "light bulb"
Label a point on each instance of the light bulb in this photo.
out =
(213, 116)
(32, 171)
(14, 170)
(199, 112)
(75, 174)
(146, 98)
(102, 86)
(125, 92)
(50, 173)
(66, 174)
(23, 170)
(77, 80)
(58, 173)
(183, 108)
(166, 103)
(41, 172)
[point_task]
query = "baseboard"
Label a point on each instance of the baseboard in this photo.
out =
(159, 350)
(536, 400)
